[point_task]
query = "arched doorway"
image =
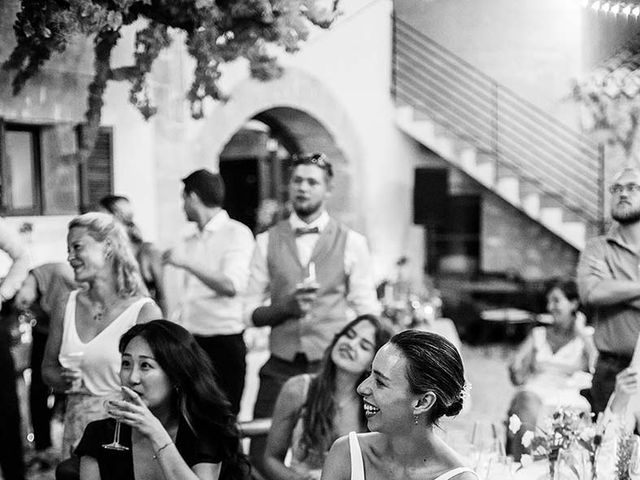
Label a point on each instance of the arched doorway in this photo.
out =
(255, 163)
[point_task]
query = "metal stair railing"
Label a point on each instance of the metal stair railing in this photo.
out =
(557, 161)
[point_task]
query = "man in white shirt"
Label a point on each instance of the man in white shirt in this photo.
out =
(215, 266)
(336, 263)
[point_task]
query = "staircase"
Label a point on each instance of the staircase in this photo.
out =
(537, 164)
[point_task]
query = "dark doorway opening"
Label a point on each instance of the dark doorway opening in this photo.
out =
(254, 168)
(454, 245)
(242, 193)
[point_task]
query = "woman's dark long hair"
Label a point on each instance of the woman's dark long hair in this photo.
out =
(319, 408)
(198, 399)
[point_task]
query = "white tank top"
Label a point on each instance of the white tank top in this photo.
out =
(101, 360)
(357, 462)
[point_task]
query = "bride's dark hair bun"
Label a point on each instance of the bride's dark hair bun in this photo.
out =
(433, 365)
(455, 408)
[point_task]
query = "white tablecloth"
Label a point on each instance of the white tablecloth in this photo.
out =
(535, 471)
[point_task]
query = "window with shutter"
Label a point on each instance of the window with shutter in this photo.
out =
(60, 179)
(96, 176)
(39, 174)
(19, 169)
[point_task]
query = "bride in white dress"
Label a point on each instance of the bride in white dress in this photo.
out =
(416, 379)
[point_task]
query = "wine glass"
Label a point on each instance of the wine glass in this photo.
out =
(308, 285)
(115, 444)
(487, 446)
(500, 467)
(73, 361)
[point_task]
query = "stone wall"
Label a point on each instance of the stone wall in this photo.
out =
(511, 241)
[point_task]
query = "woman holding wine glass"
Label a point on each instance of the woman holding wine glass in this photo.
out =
(175, 422)
(92, 320)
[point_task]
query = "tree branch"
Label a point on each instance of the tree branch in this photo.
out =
(104, 43)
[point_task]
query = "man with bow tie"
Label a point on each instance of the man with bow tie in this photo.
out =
(314, 271)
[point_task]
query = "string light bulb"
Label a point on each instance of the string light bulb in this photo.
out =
(627, 10)
(615, 9)
(635, 12)
(596, 5)
(605, 7)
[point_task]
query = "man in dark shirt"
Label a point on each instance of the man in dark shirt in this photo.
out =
(609, 281)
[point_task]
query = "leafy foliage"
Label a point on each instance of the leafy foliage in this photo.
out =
(610, 98)
(216, 32)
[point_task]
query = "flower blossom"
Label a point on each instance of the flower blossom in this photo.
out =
(527, 437)
(514, 423)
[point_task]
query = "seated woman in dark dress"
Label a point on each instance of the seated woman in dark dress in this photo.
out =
(175, 421)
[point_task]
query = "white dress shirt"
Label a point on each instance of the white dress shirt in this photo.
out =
(13, 245)
(225, 245)
(357, 265)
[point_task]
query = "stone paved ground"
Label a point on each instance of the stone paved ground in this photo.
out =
(485, 367)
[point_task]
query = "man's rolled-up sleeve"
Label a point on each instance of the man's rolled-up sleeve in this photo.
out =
(237, 258)
(258, 287)
(592, 269)
(361, 295)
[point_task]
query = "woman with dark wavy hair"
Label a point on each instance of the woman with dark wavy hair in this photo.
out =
(312, 411)
(175, 420)
(416, 379)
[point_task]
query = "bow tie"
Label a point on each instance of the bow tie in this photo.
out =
(306, 231)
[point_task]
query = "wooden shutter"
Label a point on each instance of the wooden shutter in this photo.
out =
(96, 177)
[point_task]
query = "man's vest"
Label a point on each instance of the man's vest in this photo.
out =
(311, 335)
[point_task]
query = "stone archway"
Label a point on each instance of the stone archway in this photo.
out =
(302, 109)
(297, 103)
(254, 162)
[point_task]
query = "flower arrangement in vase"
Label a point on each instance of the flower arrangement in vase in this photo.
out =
(566, 437)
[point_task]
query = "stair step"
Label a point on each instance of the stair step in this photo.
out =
(576, 231)
(552, 217)
(468, 158)
(423, 131)
(531, 204)
(404, 114)
(509, 188)
(445, 146)
(485, 172)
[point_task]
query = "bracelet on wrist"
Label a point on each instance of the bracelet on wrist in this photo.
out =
(157, 454)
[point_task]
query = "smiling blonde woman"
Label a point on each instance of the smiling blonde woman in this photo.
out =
(93, 318)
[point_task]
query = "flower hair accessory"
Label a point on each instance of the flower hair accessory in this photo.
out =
(465, 393)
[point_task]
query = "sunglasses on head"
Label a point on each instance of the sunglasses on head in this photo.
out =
(318, 159)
